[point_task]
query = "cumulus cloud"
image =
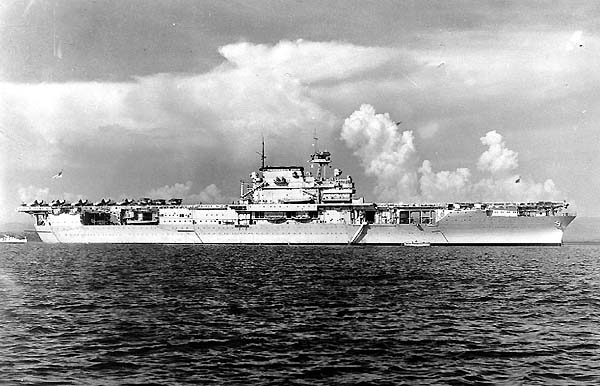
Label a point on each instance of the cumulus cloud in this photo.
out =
(210, 194)
(257, 89)
(384, 151)
(392, 158)
(281, 89)
(497, 158)
(449, 185)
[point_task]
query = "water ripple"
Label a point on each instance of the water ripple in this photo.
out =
(156, 314)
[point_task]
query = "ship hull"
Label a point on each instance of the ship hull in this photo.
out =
(457, 230)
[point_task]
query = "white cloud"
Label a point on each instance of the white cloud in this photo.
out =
(210, 194)
(282, 89)
(497, 158)
(258, 89)
(393, 159)
(384, 151)
(177, 190)
(307, 61)
(443, 185)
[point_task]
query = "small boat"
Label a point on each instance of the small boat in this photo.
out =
(13, 240)
(417, 244)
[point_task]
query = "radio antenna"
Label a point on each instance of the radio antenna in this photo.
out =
(262, 153)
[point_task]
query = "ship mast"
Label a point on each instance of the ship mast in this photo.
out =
(319, 158)
(262, 155)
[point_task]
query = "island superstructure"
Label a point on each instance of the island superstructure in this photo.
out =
(289, 205)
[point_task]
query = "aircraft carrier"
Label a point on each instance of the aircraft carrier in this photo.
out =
(289, 205)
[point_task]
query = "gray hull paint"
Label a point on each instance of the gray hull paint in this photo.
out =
(472, 229)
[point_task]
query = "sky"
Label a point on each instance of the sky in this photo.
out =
(417, 100)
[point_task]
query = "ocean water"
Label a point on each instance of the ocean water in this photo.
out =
(162, 314)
